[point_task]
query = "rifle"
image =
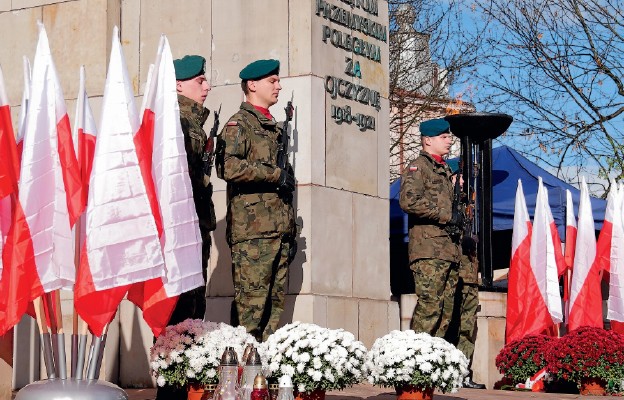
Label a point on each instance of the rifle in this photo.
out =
(456, 226)
(470, 228)
(282, 156)
(209, 149)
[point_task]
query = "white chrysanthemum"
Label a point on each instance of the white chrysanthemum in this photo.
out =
(315, 356)
(402, 356)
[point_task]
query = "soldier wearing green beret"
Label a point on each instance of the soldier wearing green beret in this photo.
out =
(260, 215)
(434, 252)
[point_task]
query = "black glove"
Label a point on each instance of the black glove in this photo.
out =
(292, 250)
(457, 218)
(286, 181)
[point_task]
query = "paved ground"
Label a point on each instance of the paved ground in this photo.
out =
(365, 391)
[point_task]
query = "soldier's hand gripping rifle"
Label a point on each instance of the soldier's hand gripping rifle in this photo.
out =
(209, 149)
(287, 178)
(455, 227)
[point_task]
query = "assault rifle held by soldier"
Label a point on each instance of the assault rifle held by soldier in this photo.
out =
(287, 177)
(209, 150)
(456, 226)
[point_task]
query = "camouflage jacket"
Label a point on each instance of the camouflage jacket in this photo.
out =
(246, 159)
(427, 196)
(192, 117)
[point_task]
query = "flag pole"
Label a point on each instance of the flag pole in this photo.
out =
(98, 366)
(61, 364)
(95, 354)
(82, 348)
(44, 333)
(79, 339)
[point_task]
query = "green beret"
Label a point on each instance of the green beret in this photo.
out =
(259, 69)
(453, 164)
(434, 127)
(189, 67)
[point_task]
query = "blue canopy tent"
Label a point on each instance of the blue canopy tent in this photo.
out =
(507, 167)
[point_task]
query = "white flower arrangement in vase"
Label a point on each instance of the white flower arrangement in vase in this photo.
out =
(418, 359)
(190, 352)
(315, 358)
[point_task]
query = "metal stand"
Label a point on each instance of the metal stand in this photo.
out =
(476, 131)
(71, 389)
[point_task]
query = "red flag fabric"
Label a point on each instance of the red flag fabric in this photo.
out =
(38, 256)
(122, 245)
(585, 290)
(179, 227)
(9, 171)
(86, 132)
(9, 161)
(527, 312)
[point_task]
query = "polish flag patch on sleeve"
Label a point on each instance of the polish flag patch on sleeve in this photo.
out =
(232, 123)
(413, 168)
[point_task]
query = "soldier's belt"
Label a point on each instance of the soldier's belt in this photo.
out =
(255, 188)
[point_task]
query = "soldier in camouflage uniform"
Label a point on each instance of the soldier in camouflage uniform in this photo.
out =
(260, 215)
(193, 88)
(434, 253)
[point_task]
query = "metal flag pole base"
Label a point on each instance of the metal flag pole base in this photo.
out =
(71, 389)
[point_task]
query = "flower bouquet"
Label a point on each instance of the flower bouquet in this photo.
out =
(403, 358)
(190, 352)
(588, 353)
(522, 358)
(315, 357)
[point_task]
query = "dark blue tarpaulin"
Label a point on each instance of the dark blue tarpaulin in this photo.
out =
(507, 167)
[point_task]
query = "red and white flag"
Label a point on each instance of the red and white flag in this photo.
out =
(615, 303)
(9, 166)
(180, 236)
(520, 297)
(546, 256)
(38, 256)
(21, 124)
(585, 291)
(85, 133)
(122, 246)
(570, 232)
(610, 254)
(570, 245)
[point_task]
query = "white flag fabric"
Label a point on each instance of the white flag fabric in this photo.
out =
(122, 245)
(543, 257)
(180, 238)
(615, 303)
(44, 194)
(585, 292)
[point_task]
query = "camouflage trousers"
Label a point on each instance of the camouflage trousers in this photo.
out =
(468, 316)
(435, 285)
(259, 268)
